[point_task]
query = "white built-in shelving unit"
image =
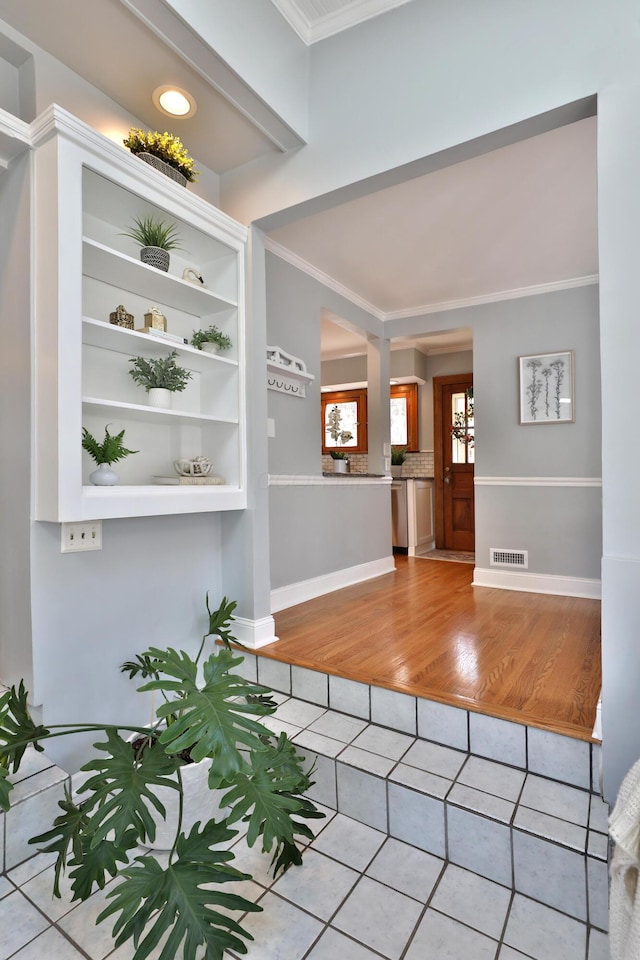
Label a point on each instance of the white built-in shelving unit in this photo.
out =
(88, 190)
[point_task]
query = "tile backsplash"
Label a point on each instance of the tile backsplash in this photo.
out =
(416, 465)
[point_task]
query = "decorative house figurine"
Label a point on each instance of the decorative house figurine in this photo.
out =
(120, 318)
(155, 319)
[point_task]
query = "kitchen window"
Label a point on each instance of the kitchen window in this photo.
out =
(345, 412)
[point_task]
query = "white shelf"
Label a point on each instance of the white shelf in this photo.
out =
(108, 336)
(151, 414)
(88, 190)
(104, 503)
(110, 266)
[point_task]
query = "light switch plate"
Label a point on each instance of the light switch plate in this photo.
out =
(79, 537)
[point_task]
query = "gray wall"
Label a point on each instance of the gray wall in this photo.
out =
(294, 305)
(15, 423)
(92, 611)
(560, 527)
(317, 530)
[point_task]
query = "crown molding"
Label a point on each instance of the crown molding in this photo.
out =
(312, 30)
(296, 261)
(305, 267)
(513, 294)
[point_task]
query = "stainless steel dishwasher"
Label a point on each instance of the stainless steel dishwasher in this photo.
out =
(399, 516)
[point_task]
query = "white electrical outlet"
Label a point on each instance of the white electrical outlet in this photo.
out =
(387, 464)
(76, 537)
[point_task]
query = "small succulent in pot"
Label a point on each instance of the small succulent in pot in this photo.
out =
(338, 454)
(156, 239)
(212, 335)
(160, 376)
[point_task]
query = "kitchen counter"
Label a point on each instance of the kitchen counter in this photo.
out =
(331, 473)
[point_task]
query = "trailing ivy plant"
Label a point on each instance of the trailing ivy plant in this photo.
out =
(160, 372)
(98, 834)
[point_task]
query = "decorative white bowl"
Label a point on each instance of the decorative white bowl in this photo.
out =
(195, 467)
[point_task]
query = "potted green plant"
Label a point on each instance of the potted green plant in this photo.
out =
(164, 151)
(156, 239)
(210, 340)
(161, 377)
(111, 450)
(398, 457)
(253, 778)
(340, 460)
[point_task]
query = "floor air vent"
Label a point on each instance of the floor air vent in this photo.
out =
(509, 558)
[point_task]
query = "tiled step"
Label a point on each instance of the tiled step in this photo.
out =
(512, 804)
(38, 786)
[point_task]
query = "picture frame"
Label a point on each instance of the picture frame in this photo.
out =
(546, 388)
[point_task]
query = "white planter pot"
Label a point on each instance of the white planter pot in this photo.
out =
(209, 347)
(103, 476)
(159, 397)
(396, 470)
(200, 803)
(339, 466)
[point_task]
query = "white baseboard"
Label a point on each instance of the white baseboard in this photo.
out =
(536, 583)
(293, 593)
(254, 633)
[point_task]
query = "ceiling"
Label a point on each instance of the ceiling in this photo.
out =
(121, 56)
(519, 219)
(314, 20)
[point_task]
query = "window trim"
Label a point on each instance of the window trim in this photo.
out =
(407, 390)
(346, 396)
(410, 392)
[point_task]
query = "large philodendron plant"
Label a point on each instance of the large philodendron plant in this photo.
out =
(258, 778)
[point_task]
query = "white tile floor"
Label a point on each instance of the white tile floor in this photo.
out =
(359, 895)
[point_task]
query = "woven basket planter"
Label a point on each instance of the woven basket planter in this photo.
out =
(163, 167)
(155, 257)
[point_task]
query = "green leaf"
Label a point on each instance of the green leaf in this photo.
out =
(121, 786)
(111, 450)
(17, 729)
(220, 621)
(266, 798)
(65, 835)
(209, 721)
(95, 863)
(179, 901)
(5, 789)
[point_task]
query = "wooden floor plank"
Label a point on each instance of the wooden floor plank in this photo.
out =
(426, 631)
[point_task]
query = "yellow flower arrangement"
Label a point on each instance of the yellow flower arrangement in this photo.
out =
(165, 146)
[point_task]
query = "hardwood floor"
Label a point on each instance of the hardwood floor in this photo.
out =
(424, 630)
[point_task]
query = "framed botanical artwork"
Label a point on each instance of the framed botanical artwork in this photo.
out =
(546, 388)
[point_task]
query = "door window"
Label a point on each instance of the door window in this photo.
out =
(462, 427)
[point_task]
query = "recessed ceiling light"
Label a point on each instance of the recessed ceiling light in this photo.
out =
(174, 101)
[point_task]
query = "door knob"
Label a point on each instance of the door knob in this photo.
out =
(447, 479)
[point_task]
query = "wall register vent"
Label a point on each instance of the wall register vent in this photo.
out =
(509, 558)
